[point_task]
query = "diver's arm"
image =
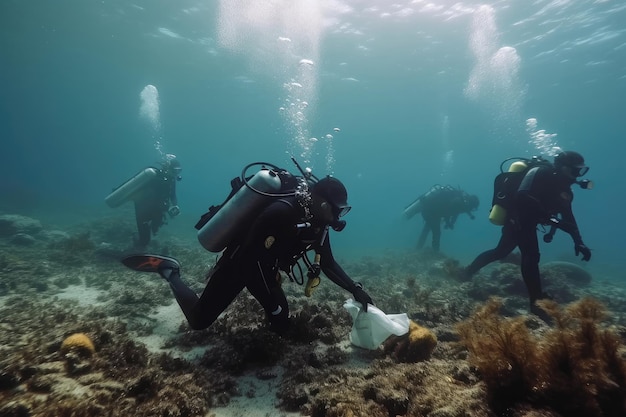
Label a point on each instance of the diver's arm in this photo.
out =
(332, 269)
(173, 209)
(452, 221)
(173, 197)
(336, 274)
(568, 221)
(568, 224)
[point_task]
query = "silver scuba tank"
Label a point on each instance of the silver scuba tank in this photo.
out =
(413, 208)
(126, 191)
(417, 206)
(218, 232)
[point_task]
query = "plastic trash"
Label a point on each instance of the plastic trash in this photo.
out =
(371, 328)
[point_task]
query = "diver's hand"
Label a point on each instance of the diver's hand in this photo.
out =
(174, 211)
(580, 248)
(361, 296)
(314, 271)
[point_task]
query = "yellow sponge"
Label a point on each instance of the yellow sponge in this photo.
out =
(79, 343)
(417, 345)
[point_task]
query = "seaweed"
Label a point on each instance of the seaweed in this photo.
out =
(574, 368)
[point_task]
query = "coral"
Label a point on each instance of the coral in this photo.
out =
(417, 345)
(73, 408)
(65, 280)
(79, 343)
(574, 368)
(313, 370)
(11, 224)
(451, 268)
(410, 281)
(22, 271)
(514, 258)
(243, 349)
(75, 250)
(79, 242)
(565, 272)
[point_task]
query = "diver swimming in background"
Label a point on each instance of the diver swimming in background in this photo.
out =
(153, 191)
(440, 203)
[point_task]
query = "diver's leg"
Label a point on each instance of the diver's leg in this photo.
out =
(423, 236)
(264, 285)
(221, 289)
(529, 248)
(436, 229)
(143, 226)
(185, 296)
(508, 242)
(157, 219)
(144, 234)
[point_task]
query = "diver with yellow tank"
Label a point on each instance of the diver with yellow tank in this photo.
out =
(534, 192)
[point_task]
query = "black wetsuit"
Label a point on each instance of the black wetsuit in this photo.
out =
(272, 243)
(543, 193)
(151, 205)
(442, 203)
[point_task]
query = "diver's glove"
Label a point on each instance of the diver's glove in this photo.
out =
(580, 248)
(174, 211)
(554, 225)
(361, 296)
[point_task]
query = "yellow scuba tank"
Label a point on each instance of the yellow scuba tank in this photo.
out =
(497, 214)
(127, 190)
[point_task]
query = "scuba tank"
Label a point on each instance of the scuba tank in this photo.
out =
(416, 206)
(497, 214)
(127, 190)
(506, 186)
(228, 219)
(413, 208)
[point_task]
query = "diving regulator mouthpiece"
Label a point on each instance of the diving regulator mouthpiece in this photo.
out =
(339, 225)
(585, 184)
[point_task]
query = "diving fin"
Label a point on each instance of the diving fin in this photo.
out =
(150, 263)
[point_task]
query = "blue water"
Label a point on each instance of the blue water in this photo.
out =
(413, 93)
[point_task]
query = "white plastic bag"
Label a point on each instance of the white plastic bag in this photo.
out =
(371, 328)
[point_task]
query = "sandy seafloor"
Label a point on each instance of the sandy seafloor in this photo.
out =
(147, 362)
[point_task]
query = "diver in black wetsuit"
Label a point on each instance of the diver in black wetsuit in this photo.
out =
(276, 240)
(441, 203)
(544, 193)
(156, 199)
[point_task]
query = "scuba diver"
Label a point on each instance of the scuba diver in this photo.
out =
(275, 232)
(153, 191)
(543, 193)
(440, 203)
